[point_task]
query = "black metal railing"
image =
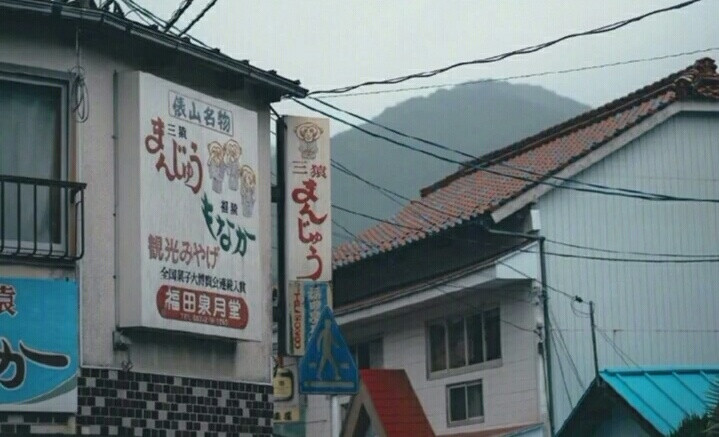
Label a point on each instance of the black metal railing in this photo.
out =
(41, 220)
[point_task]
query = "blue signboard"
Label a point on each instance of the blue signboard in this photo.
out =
(305, 302)
(38, 345)
(327, 366)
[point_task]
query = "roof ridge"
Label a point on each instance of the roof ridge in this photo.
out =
(685, 79)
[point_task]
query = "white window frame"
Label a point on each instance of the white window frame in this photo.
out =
(468, 420)
(61, 81)
(447, 371)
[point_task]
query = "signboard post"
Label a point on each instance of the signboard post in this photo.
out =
(38, 345)
(307, 227)
(189, 173)
(328, 367)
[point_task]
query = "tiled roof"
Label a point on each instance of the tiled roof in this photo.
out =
(396, 403)
(470, 192)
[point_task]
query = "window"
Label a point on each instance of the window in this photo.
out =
(464, 403)
(32, 144)
(368, 355)
(462, 342)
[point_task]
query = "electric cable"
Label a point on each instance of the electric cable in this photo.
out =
(563, 343)
(595, 188)
(523, 51)
(524, 76)
(184, 4)
(564, 378)
(202, 14)
(532, 182)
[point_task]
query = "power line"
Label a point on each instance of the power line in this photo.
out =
(566, 348)
(150, 19)
(629, 260)
(184, 4)
(522, 51)
(603, 188)
(523, 76)
(460, 300)
(631, 252)
(619, 192)
(367, 216)
(202, 14)
(387, 192)
(713, 259)
(564, 378)
(623, 355)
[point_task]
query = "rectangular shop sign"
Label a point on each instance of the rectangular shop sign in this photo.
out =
(38, 345)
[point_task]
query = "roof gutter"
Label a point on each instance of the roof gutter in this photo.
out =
(214, 57)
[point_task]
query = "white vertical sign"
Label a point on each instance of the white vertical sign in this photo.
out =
(308, 211)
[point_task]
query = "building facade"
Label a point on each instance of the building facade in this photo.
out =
(169, 336)
(616, 206)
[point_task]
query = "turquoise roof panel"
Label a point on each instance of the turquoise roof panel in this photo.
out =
(664, 396)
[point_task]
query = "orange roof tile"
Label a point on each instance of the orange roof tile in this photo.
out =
(471, 192)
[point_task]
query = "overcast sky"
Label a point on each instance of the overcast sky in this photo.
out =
(330, 43)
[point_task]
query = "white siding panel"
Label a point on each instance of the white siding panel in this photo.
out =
(659, 314)
(510, 391)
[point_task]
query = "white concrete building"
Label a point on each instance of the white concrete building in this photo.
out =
(624, 200)
(68, 77)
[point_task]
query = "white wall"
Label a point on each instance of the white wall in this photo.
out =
(510, 391)
(156, 352)
(659, 314)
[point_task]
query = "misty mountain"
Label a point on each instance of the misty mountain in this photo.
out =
(473, 119)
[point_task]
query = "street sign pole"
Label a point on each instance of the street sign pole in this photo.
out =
(335, 416)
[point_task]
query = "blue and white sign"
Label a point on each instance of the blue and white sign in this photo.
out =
(305, 302)
(38, 345)
(327, 366)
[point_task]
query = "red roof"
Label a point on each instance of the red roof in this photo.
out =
(470, 192)
(396, 403)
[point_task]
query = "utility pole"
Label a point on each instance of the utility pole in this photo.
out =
(281, 250)
(594, 339)
(547, 333)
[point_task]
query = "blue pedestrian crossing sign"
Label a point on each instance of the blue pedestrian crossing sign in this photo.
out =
(327, 367)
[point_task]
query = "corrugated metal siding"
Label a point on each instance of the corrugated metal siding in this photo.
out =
(656, 313)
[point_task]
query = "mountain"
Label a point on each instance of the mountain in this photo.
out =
(473, 119)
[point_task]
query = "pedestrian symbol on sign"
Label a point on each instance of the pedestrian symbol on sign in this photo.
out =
(325, 343)
(328, 367)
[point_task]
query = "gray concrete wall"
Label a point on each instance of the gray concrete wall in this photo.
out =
(91, 144)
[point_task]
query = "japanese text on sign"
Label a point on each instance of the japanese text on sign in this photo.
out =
(200, 113)
(8, 357)
(202, 307)
(203, 280)
(173, 250)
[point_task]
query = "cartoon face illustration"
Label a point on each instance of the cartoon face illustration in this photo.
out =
(308, 132)
(249, 180)
(216, 165)
(217, 153)
(233, 151)
(248, 177)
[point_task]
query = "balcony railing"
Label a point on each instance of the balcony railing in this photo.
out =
(41, 220)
